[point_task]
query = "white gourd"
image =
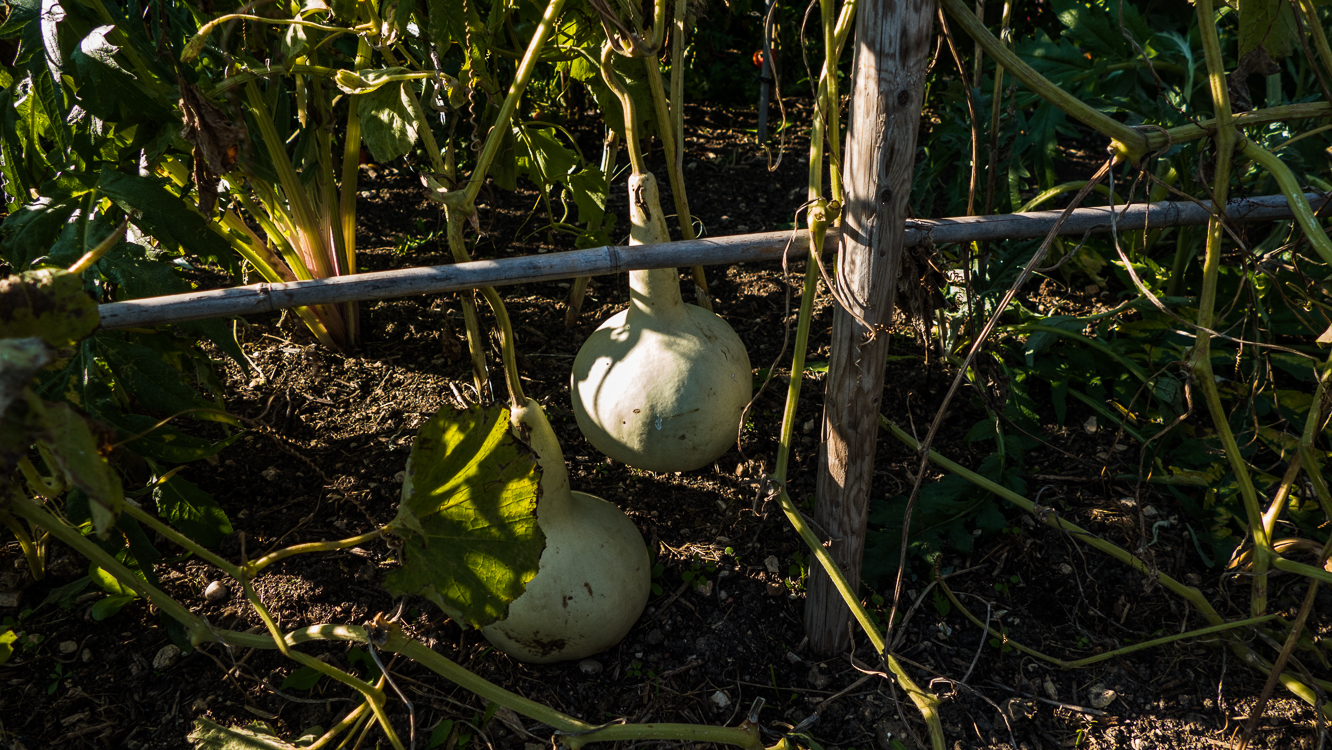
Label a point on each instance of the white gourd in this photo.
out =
(594, 576)
(660, 386)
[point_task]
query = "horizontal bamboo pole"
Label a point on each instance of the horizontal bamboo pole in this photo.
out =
(597, 261)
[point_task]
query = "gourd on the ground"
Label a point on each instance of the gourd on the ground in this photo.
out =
(660, 386)
(594, 575)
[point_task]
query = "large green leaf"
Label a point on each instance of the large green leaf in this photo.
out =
(166, 216)
(148, 377)
(191, 510)
(48, 303)
(29, 232)
(468, 516)
(106, 90)
(387, 125)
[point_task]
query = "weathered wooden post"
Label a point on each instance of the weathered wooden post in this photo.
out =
(891, 53)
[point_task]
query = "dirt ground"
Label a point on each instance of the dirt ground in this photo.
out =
(326, 462)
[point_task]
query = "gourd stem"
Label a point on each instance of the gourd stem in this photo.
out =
(1201, 359)
(475, 344)
(609, 150)
(1285, 113)
(103, 247)
(627, 109)
(818, 225)
(257, 566)
(516, 397)
(184, 542)
(1290, 187)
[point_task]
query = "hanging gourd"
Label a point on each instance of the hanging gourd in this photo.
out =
(594, 575)
(660, 386)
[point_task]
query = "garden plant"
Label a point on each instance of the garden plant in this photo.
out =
(146, 148)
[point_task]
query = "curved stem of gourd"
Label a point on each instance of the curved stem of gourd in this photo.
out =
(818, 228)
(674, 148)
(1128, 143)
(1314, 25)
(509, 353)
(103, 247)
(1201, 359)
(1203, 128)
(627, 109)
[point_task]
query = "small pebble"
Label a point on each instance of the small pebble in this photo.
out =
(68, 647)
(590, 666)
(720, 699)
(270, 473)
(1101, 696)
(166, 657)
(792, 657)
(770, 562)
(1066, 569)
(86, 656)
(654, 637)
(775, 588)
(217, 591)
(1090, 426)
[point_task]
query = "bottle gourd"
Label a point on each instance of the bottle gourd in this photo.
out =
(594, 576)
(660, 386)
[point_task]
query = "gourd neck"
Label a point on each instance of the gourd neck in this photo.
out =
(654, 292)
(529, 422)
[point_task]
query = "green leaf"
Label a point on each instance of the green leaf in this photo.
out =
(109, 606)
(46, 303)
(7, 640)
(589, 190)
(64, 596)
(1269, 24)
(164, 215)
(257, 736)
(304, 678)
(544, 159)
(468, 516)
(387, 125)
(192, 511)
(106, 90)
(76, 451)
(148, 377)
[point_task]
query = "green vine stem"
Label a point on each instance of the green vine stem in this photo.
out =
(36, 565)
(1299, 205)
(1127, 143)
(925, 702)
(1051, 518)
(103, 247)
(255, 567)
(48, 489)
(818, 228)
(196, 44)
(1225, 141)
(351, 165)
(454, 218)
(674, 148)
(508, 350)
(1315, 28)
(524, 73)
(1090, 660)
(1157, 140)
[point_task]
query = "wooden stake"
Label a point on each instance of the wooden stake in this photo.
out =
(892, 49)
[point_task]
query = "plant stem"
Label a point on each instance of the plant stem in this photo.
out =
(475, 344)
(818, 226)
(507, 349)
(351, 166)
(1078, 663)
(925, 702)
(1201, 358)
(1157, 140)
(496, 135)
(103, 247)
(1290, 187)
(37, 516)
(627, 108)
(1128, 143)
(35, 562)
(175, 537)
(254, 568)
(573, 733)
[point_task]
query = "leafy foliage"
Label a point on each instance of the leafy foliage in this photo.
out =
(468, 515)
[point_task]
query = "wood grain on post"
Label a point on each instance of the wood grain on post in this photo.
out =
(892, 49)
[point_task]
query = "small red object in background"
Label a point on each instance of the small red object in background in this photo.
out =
(758, 59)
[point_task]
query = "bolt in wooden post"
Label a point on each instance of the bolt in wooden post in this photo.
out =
(892, 50)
